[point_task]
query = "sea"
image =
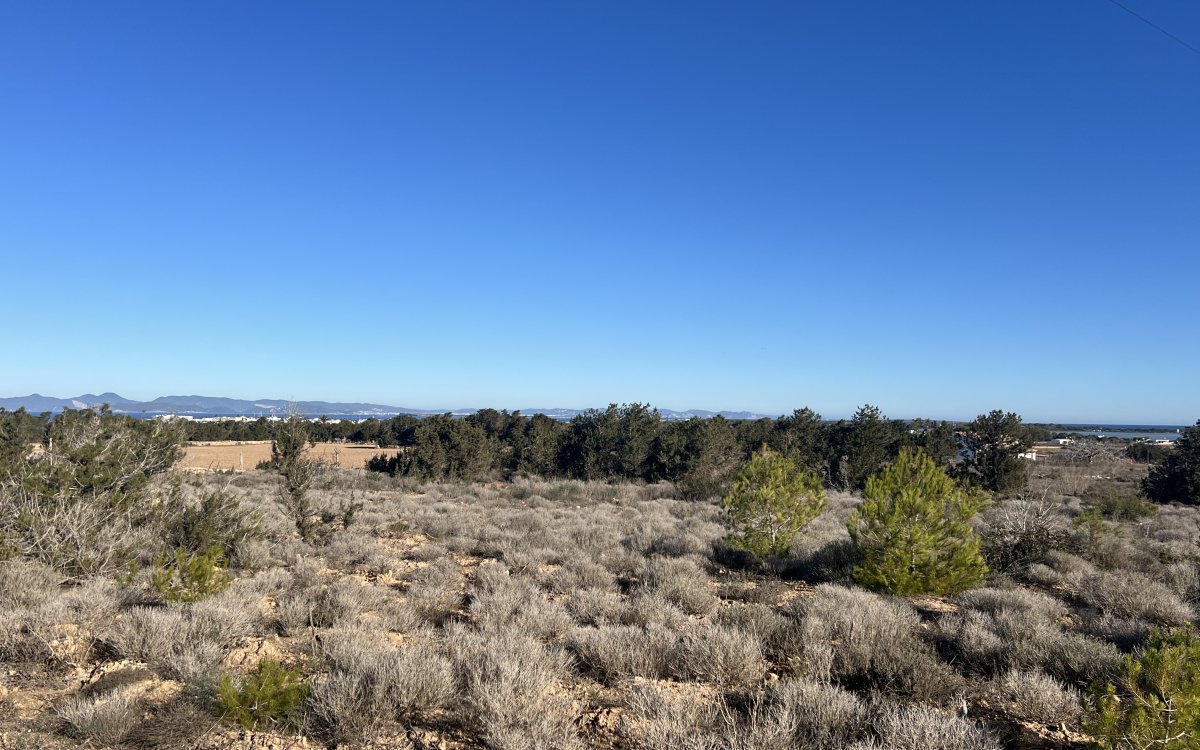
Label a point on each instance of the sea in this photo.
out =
(1122, 431)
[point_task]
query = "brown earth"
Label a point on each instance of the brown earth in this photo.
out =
(226, 455)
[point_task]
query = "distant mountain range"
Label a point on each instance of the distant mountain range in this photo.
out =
(235, 407)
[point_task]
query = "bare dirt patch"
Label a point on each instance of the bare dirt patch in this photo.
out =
(226, 455)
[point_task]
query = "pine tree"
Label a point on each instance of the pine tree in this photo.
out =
(297, 471)
(770, 501)
(1177, 477)
(914, 532)
(994, 443)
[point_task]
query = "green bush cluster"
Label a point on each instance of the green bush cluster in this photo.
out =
(1115, 503)
(189, 576)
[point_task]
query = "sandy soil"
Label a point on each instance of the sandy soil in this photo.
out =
(224, 455)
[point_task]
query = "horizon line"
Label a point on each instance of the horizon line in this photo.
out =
(397, 411)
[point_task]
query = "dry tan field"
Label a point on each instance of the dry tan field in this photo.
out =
(223, 455)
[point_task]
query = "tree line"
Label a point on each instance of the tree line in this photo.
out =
(631, 442)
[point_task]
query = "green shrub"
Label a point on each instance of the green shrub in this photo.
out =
(1147, 453)
(218, 520)
(189, 577)
(770, 501)
(71, 505)
(914, 530)
(1156, 700)
(272, 695)
(1112, 502)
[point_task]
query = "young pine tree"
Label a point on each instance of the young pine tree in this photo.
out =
(1156, 700)
(770, 501)
(297, 471)
(914, 532)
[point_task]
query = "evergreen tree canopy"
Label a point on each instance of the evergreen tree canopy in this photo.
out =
(770, 501)
(913, 530)
(1176, 478)
(994, 443)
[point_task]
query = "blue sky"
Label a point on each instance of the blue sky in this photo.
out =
(940, 208)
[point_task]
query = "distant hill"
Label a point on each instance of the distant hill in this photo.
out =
(234, 407)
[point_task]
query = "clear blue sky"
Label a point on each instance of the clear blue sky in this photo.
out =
(937, 207)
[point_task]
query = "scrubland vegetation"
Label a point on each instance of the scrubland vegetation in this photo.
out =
(851, 586)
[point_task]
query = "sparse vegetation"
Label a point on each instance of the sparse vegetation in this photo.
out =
(578, 613)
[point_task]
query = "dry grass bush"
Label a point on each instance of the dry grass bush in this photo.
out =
(594, 606)
(518, 604)
(150, 634)
(1124, 548)
(804, 713)
(615, 652)
(394, 615)
(102, 720)
(581, 575)
(176, 726)
(350, 550)
(1018, 532)
(1126, 633)
(760, 591)
(197, 666)
(1183, 578)
(993, 600)
(95, 600)
(653, 541)
(661, 718)
(26, 583)
(1132, 595)
(1042, 575)
(428, 552)
(923, 728)
(779, 635)
(1072, 570)
(226, 617)
(372, 684)
(652, 609)
(993, 642)
(25, 636)
(508, 683)
(1034, 696)
(1177, 529)
(824, 553)
(166, 637)
(271, 582)
(436, 591)
(325, 604)
(730, 659)
(34, 634)
(680, 581)
(868, 641)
